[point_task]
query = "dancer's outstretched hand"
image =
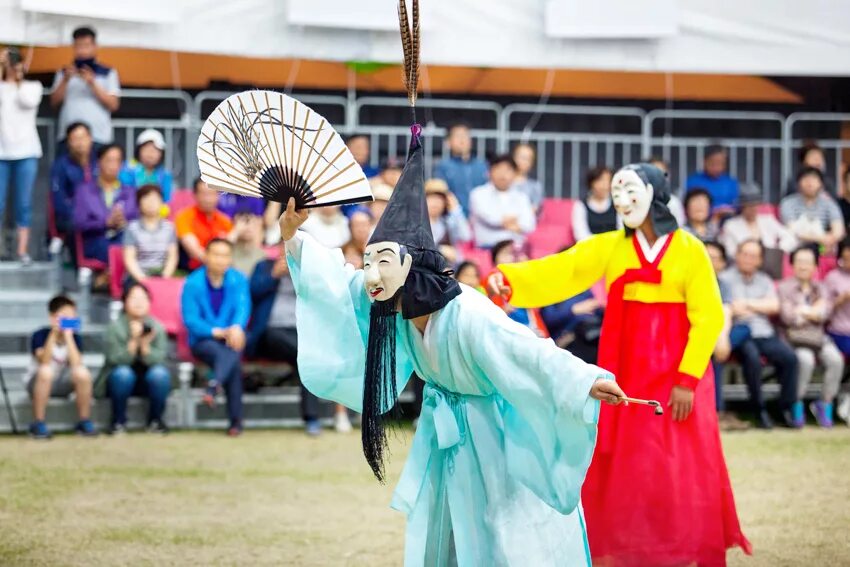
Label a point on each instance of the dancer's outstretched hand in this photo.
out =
(607, 391)
(496, 285)
(291, 220)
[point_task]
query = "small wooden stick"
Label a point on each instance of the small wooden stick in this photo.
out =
(657, 405)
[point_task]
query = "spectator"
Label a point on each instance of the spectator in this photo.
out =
(500, 212)
(147, 166)
(136, 347)
(468, 273)
(750, 224)
(86, 91)
(150, 243)
(698, 211)
(844, 197)
(575, 325)
(731, 337)
(273, 334)
(20, 147)
(68, 172)
(103, 207)
(199, 224)
(216, 305)
(674, 204)
(448, 223)
(754, 301)
(714, 178)
(837, 283)
(811, 155)
(812, 215)
(248, 246)
(595, 214)
(524, 156)
(57, 368)
(506, 252)
(328, 226)
(358, 145)
(381, 194)
(805, 308)
(360, 225)
(460, 170)
(391, 168)
(232, 204)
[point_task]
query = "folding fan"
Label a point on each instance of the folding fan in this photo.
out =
(269, 145)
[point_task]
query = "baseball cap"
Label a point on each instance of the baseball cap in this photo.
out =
(151, 135)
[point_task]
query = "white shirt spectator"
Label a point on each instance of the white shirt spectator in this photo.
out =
(489, 209)
(330, 231)
(766, 228)
(81, 104)
(18, 109)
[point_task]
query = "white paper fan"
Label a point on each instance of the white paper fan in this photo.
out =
(269, 145)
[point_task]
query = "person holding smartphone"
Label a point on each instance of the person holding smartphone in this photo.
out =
(57, 368)
(136, 347)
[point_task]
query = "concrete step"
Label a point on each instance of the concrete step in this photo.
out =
(37, 276)
(15, 368)
(15, 335)
(24, 304)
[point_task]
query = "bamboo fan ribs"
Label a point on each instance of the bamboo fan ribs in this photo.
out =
(269, 145)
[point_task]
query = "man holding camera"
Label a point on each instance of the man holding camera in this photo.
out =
(86, 91)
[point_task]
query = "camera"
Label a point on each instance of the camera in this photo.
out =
(13, 56)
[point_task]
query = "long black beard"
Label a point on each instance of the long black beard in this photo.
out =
(379, 387)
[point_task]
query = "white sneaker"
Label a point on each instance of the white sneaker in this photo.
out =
(842, 407)
(341, 423)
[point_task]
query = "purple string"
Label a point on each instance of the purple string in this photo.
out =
(415, 131)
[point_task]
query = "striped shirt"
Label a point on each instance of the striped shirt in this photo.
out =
(823, 209)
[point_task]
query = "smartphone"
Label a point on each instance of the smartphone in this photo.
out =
(70, 324)
(147, 329)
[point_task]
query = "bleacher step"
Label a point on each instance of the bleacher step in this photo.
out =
(16, 366)
(37, 276)
(15, 335)
(24, 304)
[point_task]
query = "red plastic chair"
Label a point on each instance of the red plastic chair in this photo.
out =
(116, 271)
(768, 209)
(165, 303)
(180, 199)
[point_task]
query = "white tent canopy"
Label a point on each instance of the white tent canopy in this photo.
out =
(766, 37)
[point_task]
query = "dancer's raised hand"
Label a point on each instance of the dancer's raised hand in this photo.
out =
(607, 391)
(291, 220)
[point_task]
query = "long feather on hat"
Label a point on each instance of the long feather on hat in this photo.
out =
(410, 47)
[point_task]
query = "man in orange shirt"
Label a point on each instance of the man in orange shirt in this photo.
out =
(200, 223)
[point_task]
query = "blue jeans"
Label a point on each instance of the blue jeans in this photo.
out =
(737, 335)
(23, 172)
(123, 383)
(226, 366)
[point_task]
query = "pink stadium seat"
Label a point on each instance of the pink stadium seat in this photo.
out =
(272, 252)
(116, 271)
(180, 199)
(165, 302)
(83, 262)
(547, 240)
(768, 209)
(826, 265)
(482, 258)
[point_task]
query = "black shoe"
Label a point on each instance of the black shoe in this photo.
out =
(763, 420)
(788, 420)
(158, 426)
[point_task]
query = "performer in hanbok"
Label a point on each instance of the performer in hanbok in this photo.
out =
(657, 492)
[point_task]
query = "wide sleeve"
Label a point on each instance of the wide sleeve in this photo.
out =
(705, 315)
(553, 279)
(332, 314)
(549, 418)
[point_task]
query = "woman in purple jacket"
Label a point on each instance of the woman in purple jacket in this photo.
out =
(102, 206)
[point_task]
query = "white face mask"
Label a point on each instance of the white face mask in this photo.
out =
(385, 271)
(631, 197)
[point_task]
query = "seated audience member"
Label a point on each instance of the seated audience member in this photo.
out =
(675, 203)
(575, 325)
(248, 246)
(201, 223)
(730, 337)
(57, 368)
(150, 243)
(460, 170)
(359, 146)
(272, 334)
(391, 168)
(811, 155)
(754, 301)
(811, 214)
(698, 212)
(328, 226)
(805, 308)
(837, 283)
(750, 224)
(506, 252)
(381, 194)
(448, 223)
(360, 225)
(498, 211)
(715, 179)
(231, 204)
(103, 206)
(468, 273)
(136, 348)
(524, 156)
(216, 306)
(595, 214)
(147, 166)
(844, 197)
(68, 172)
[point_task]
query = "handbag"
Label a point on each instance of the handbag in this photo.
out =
(811, 336)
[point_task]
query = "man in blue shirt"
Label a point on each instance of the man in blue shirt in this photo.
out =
(714, 178)
(70, 170)
(460, 170)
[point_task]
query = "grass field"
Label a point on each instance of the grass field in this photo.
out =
(280, 498)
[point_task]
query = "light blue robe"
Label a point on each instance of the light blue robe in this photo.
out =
(507, 428)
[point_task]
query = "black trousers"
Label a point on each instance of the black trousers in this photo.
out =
(781, 356)
(281, 343)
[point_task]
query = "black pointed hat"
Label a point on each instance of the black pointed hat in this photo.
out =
(405, 219)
